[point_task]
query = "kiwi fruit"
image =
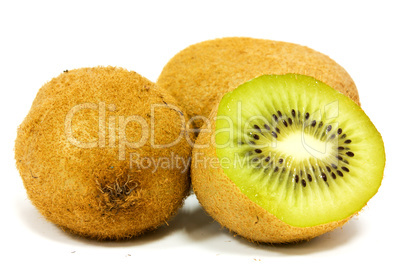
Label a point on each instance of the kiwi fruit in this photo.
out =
(201, 74)
(286, 158)
(102, 153)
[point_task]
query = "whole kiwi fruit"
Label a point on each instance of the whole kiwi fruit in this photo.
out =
(103, 153)
(201, 74)
(286, 158)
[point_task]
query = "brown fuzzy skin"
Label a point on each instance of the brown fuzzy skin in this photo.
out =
(224, 201)
(90, 191)
(201, 74)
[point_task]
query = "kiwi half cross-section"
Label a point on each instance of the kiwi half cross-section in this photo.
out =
(296, 159)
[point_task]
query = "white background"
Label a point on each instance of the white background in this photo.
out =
(38, 40)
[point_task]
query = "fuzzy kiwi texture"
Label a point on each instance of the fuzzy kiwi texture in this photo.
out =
(201, 74)
(286, 158)
(89, 153)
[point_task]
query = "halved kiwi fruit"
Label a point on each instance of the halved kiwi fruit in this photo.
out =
(201, 74)
(103, 154)
(296, 159)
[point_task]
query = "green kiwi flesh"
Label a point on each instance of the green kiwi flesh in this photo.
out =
(299, 149)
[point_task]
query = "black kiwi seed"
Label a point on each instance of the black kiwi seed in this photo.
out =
(332, 136)
(333, 175)
(267, 127)
(345, 169)
(343, 136)
(297, 178)
(293, 113)
(339, 157)
(258, 151)
(341, 148)
(345, 161)
(348, 141)
(329, 128)
(285, 123)
(255, 159)
(313, 123)
(339, 173)
(334, 166)
(339, 131)
(276, 169)
(304, 183)
(256, 137)
(324, 177)
(277, 130)
(274, 134)
(279, 113)
(320, 124)
(290, 121)
(257, 128)
(309, 177)
(328, 168)
(351, 154)
(275, 117)
(307, 116)
(280, 161)
(267, 159)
